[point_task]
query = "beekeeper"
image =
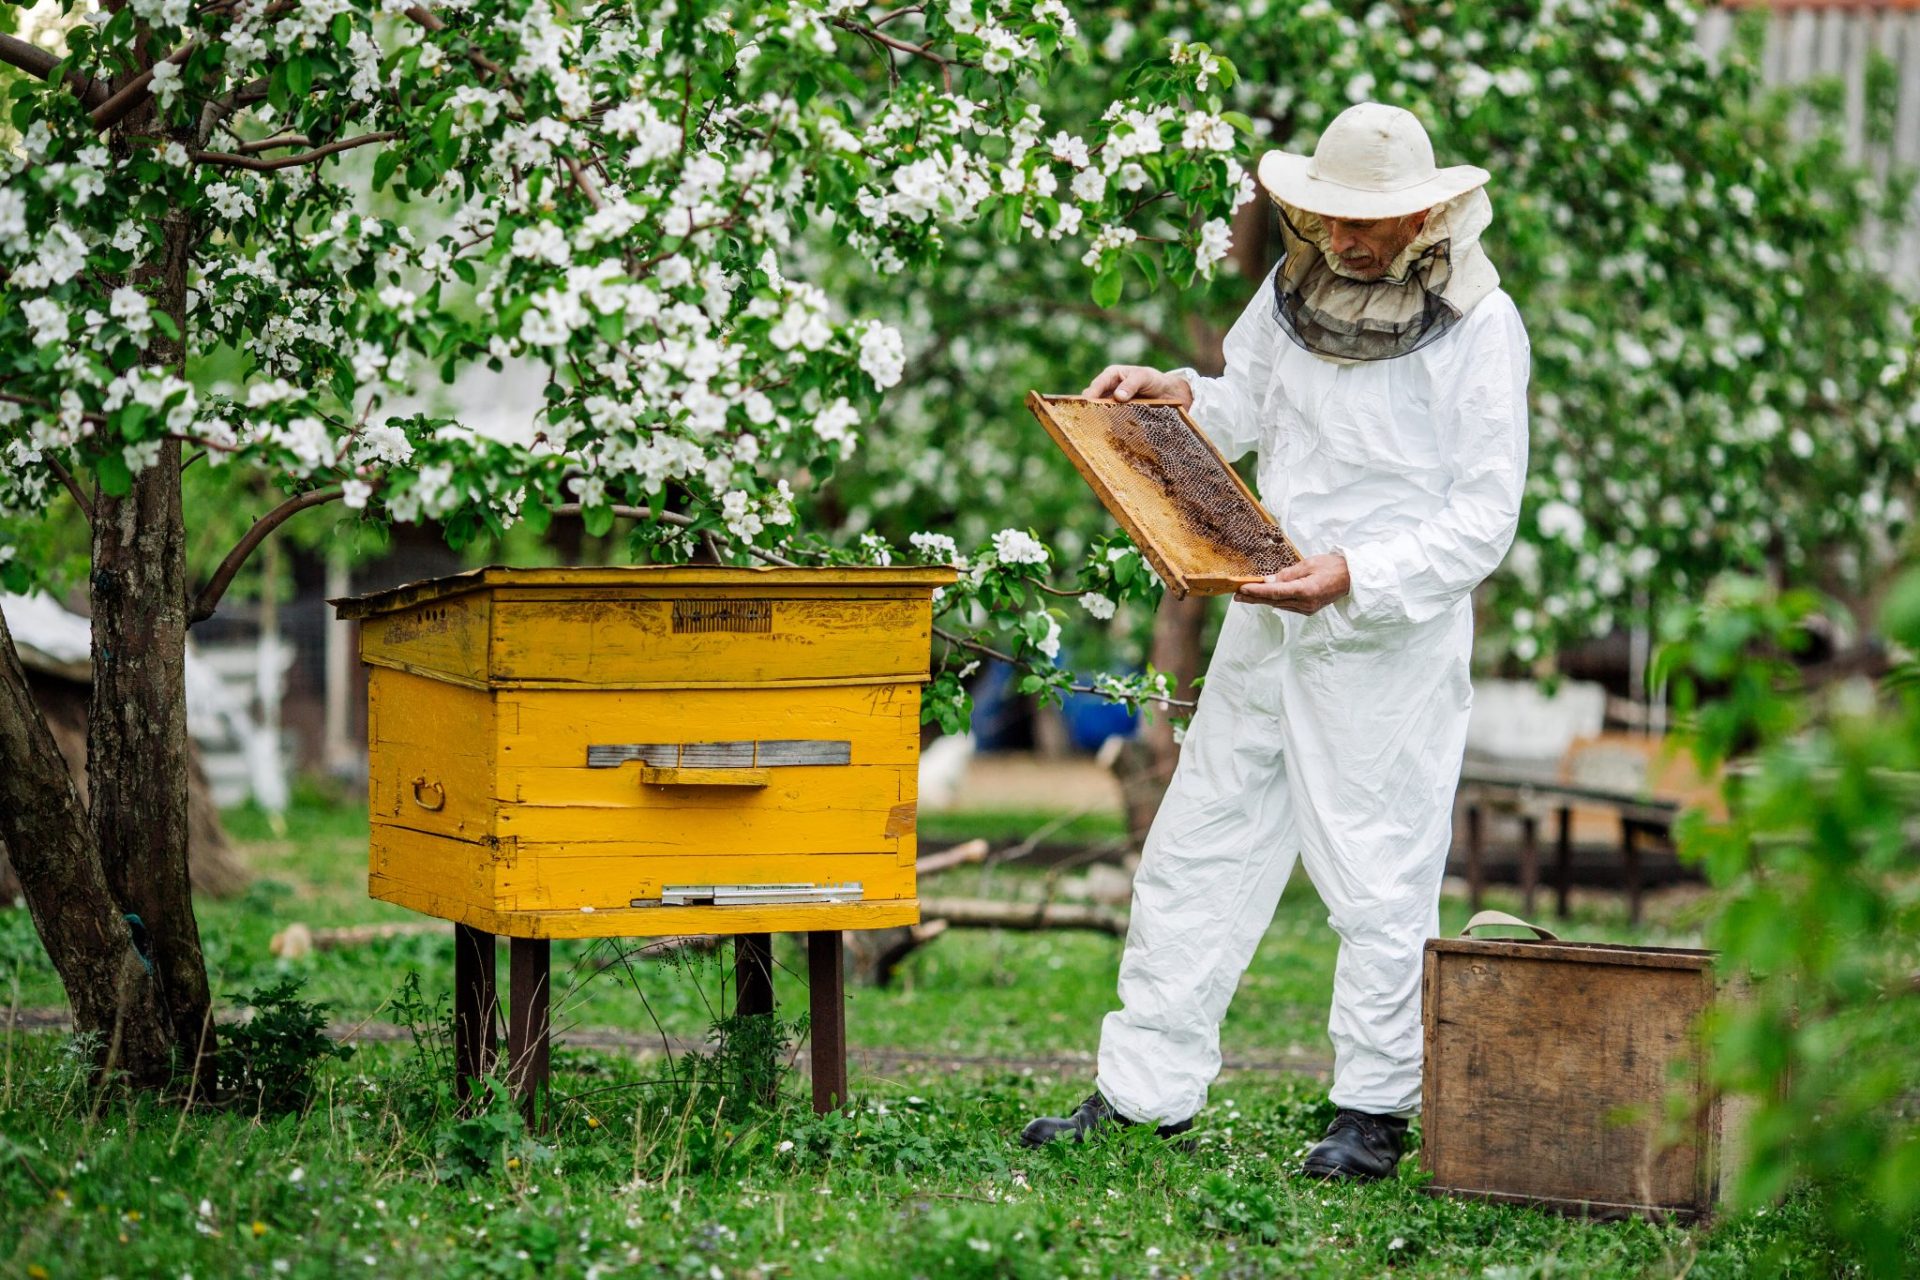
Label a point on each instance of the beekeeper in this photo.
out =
(1381, 374)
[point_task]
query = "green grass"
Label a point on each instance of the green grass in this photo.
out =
(645, 1175)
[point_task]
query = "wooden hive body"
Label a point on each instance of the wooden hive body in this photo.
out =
(1548, 1072)
(640, 751)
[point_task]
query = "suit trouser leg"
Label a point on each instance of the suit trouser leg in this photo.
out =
(1216, 859)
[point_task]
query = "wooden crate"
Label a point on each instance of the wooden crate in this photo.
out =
(1548, 1071)
(640, 751)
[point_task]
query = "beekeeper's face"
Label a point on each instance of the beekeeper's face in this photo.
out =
(1364, 249)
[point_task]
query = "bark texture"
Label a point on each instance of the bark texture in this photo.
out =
(73, 909)
(63, 701)
(137, 725)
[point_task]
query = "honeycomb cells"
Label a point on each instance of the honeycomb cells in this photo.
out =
(1211, 507)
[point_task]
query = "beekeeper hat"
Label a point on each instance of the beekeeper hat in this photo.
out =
(1373, 161)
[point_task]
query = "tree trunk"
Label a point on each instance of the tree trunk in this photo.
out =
(1179, 625)
(137, 725)
(1145, 772)
(45, 827)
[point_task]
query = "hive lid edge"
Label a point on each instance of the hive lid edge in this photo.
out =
(409, 594)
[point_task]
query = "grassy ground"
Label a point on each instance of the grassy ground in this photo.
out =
(650, 1170)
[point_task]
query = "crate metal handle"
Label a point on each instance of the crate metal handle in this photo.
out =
(1485, 918)
(421, 786)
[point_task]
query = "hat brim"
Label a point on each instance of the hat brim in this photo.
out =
(1286, 178)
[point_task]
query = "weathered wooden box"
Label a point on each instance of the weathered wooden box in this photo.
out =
(1548, 1071)
(614, 752)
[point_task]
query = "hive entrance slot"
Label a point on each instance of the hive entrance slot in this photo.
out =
(694, 617)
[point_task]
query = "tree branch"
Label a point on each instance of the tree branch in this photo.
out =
(431, 21)
(35, 61)
(136, 93)
(203, 605)
(235, 160)
(674, 518)
(73, 486)
(273, 143)
(988, 651)
(48, 409)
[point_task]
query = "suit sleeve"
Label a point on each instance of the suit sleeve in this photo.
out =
(1481, 417)
(1228, 408)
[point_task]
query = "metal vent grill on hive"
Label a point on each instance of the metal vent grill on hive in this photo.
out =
(1166, 484)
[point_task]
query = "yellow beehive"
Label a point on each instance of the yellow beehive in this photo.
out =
(635, 751)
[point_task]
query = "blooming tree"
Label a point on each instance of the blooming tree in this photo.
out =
(202, 261)
(1720, 373)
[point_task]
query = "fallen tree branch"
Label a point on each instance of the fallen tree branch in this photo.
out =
(994, 913)
(972, 853)
(235, 160)
(208, 599)
(297, 939)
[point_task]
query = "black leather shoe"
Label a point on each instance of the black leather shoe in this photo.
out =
(1092, 1117)
(1358, 1147)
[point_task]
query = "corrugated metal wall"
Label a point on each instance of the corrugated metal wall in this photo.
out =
(1810, 41)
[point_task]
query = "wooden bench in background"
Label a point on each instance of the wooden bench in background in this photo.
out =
(1631, 783)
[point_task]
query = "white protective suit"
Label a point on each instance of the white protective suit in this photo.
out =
(1335, 737)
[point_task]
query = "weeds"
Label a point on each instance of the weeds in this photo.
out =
(267, 1061)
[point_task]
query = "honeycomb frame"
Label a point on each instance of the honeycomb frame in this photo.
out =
(1187, 510)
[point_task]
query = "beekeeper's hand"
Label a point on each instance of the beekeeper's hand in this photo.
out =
(1137, 382)
(1307, 587)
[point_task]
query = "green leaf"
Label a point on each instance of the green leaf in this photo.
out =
(1010, 211)
(300, 76)
(1107, 285)
(1143, 263)
(383, 166)
(1901, 617)
(597, 520)
(1238, 120)
(342, 28)
(441, 131)
(111, 471)
(536, 516)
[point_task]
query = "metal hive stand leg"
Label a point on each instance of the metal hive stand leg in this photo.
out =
(529, 968)
(827, 1010)
(476, 1003)
(753, 997)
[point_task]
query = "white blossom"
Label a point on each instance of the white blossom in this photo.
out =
(935, 548)
(1101, 607)
(129, 306)
(1017, 546)
(883, 355)
(1216, 238)
(48, 320)
(230, 201)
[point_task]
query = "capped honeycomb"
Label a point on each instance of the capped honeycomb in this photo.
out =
(1187, 510)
